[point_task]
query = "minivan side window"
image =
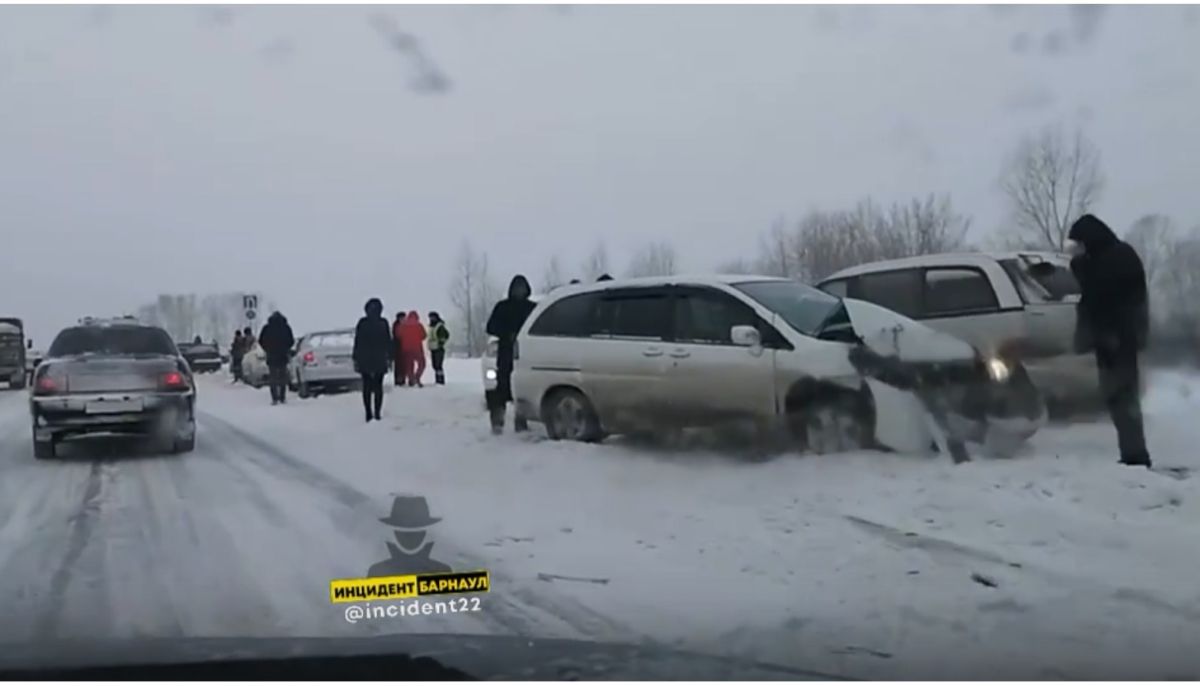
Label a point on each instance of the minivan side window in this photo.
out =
(899, 290)
(573, 316)
(958, 290)
(643, 314)
(707, 317)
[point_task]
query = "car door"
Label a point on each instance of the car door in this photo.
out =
(626, 360)
(1050, 293)
(709, 378)
(962, 300)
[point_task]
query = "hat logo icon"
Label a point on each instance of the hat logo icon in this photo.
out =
(410, 554)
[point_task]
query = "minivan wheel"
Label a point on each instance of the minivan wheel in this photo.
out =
(830, 424)
(569, 416)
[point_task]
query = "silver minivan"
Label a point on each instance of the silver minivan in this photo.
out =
(1013, 306)
(638, 355)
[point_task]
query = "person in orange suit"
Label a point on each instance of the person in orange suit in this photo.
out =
(412, 344)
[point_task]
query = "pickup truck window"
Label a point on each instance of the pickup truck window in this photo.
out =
(951, 291)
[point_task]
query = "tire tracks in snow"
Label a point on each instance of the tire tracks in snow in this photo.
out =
(524, 618)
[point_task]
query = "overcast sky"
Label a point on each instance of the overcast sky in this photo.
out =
(326, 154)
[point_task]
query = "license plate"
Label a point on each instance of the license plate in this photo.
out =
(338, 359)
(114, 406)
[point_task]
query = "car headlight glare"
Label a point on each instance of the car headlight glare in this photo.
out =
(490, 374)
(998, 369)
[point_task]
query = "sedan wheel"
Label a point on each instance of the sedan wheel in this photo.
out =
(831, 426)
(569, 417)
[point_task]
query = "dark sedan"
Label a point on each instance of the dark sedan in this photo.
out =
(113, 377)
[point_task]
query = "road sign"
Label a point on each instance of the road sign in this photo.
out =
(250, 314)
(249, 303)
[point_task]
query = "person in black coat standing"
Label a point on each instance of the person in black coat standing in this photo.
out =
(374, 350)
(1113, 322)
(276, 340)
(507, 318)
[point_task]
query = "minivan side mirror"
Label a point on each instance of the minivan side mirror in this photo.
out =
(745, 336)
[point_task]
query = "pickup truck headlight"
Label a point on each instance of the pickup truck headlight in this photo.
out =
(998, 370)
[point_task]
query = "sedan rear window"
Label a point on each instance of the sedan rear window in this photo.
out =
(344, 339)
(112, 340)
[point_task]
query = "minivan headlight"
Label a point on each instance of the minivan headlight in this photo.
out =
(998, 370)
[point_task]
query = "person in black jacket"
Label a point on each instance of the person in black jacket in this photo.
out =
(276, 340)
(1113, 322)
(507, 318)
(374, 350)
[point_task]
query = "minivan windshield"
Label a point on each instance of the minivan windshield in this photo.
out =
(803, 307)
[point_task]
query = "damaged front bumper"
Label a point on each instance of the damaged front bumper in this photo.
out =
(966, 401)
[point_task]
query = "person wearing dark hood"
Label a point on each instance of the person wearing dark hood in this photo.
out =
(507, 318)
(439, 335)
(373, 350)
(1113, 322)
(276, 340)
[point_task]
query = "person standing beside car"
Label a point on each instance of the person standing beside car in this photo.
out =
(508, 316)
(276, 339)
(439, 335)
(400, 368)
(237, 349)
(374, 348)
(412, 345)
(1113, 322)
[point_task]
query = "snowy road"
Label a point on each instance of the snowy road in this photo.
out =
(1055, 563)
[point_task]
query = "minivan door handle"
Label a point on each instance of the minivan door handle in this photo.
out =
(653, 352)
(680, 353)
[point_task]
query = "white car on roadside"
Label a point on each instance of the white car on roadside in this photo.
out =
(323, 363)
(639, 355)
(1013, 306)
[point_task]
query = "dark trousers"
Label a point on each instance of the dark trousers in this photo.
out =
(498, 400)
(1120, 383)
(235, 366)
(438, 359)
(278, 380)
(372, 394)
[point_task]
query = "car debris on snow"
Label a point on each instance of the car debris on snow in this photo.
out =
(543, 576)
(984, 580)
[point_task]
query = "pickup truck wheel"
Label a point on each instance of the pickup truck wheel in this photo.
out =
(569, 416)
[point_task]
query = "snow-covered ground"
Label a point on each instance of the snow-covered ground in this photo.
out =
(1057, 562)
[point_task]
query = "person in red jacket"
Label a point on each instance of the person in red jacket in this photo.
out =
(412, 343)
(400, 366)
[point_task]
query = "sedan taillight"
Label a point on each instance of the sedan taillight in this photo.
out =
(46, 385)
(174, 381)
(309, 357)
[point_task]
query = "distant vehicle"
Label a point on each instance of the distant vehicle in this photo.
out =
(323, 363)
(33, 357)
(638, 355)
(113, 377)
(1013, 306)
(12, 352)
(488, 362)
(204, 358)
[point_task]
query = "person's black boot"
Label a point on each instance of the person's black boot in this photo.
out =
(520, 424)
(497, 417)
(1137, 460)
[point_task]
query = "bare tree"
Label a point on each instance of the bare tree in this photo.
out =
(552, 276)
(1154, 238)
(777, 251)
(597, 263)
(926, 226)
(655, 259)
(1051, 181)
(472, 294)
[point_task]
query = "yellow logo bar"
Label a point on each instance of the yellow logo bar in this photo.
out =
(408, 586)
